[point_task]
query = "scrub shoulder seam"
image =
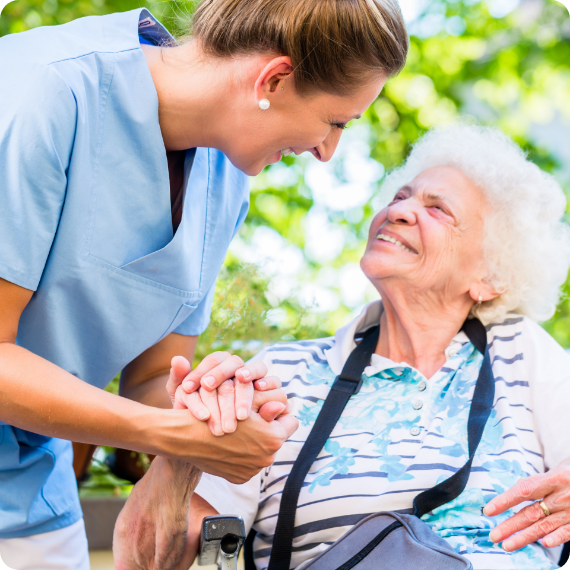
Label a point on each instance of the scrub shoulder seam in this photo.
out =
(90, 53)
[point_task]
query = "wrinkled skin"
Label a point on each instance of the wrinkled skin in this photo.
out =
(151, 531)
(210, 393)
(530, 523)
(428, 288)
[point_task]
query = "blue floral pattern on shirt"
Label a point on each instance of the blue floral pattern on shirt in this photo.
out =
(384, 406)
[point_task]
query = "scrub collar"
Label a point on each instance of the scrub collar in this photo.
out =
(152, 32)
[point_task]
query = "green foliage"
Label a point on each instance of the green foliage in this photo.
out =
(22, 15)
(113, 386)
(243, 321)
(102, 482)
(512, 72)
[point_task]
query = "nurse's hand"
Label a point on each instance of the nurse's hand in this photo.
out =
(227, 402)
(152, 531)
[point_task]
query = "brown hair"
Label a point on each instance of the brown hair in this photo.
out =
(335, 46)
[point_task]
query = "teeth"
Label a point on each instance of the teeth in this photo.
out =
(286, 151)
(384, 237)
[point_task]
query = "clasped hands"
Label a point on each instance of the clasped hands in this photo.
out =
(151, 532)
(222, 390)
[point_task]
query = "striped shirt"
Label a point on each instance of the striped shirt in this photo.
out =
(402, 434)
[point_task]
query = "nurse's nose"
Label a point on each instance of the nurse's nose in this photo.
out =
(325, 151)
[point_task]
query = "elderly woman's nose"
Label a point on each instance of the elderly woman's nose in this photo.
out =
(401, 212)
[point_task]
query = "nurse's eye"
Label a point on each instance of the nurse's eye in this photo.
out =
(341, 126)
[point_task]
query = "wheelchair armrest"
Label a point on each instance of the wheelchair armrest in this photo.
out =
(222, 535)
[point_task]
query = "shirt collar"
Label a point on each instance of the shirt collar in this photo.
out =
(344, 343)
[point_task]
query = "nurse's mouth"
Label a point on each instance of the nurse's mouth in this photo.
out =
(286, 151)
(276, 157)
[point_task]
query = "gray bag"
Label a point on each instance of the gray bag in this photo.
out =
(386, 540)
(397, 541)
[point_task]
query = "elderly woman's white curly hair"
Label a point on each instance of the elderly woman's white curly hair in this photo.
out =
(526, 241)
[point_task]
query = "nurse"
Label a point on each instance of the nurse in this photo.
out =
(123, 163)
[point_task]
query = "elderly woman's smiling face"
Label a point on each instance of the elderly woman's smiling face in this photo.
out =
(429, 238)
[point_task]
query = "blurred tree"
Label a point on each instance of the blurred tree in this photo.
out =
(467, 58)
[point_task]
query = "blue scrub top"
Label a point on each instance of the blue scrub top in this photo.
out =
(85, 222)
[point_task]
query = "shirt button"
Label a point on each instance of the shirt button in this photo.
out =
(422, 386)
(418, 404)
(452, 352)
(415, 431)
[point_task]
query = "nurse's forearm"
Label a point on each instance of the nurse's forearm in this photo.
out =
(144, 379)
(150, 393)
(38, 396)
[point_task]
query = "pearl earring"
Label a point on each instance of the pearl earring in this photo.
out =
(480, 299)
(264, 104)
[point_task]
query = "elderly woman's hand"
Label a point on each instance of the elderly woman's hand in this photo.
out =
(151, 531)
(532, 523)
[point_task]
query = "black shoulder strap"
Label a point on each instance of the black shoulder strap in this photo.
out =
(481, 407)
(248, 560)
(345, 385)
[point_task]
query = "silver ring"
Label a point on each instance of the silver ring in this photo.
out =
(544, 508)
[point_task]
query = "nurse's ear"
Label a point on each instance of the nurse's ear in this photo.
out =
(270, 83)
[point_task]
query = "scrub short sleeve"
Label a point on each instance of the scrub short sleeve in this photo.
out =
(199, 320)
(37, 127)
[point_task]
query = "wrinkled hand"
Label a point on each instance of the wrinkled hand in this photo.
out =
(151, 532)
(223, 401)
(531, 523)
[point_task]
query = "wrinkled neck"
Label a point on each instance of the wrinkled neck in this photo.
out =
(417, 331)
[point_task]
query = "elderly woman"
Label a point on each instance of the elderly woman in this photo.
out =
(472, 229)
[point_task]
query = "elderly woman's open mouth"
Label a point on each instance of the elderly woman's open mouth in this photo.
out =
(385, 235)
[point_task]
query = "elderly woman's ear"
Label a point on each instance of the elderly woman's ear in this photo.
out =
(482, 293)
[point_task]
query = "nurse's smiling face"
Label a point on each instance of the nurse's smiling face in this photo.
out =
(214, 102)
(295, 123)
